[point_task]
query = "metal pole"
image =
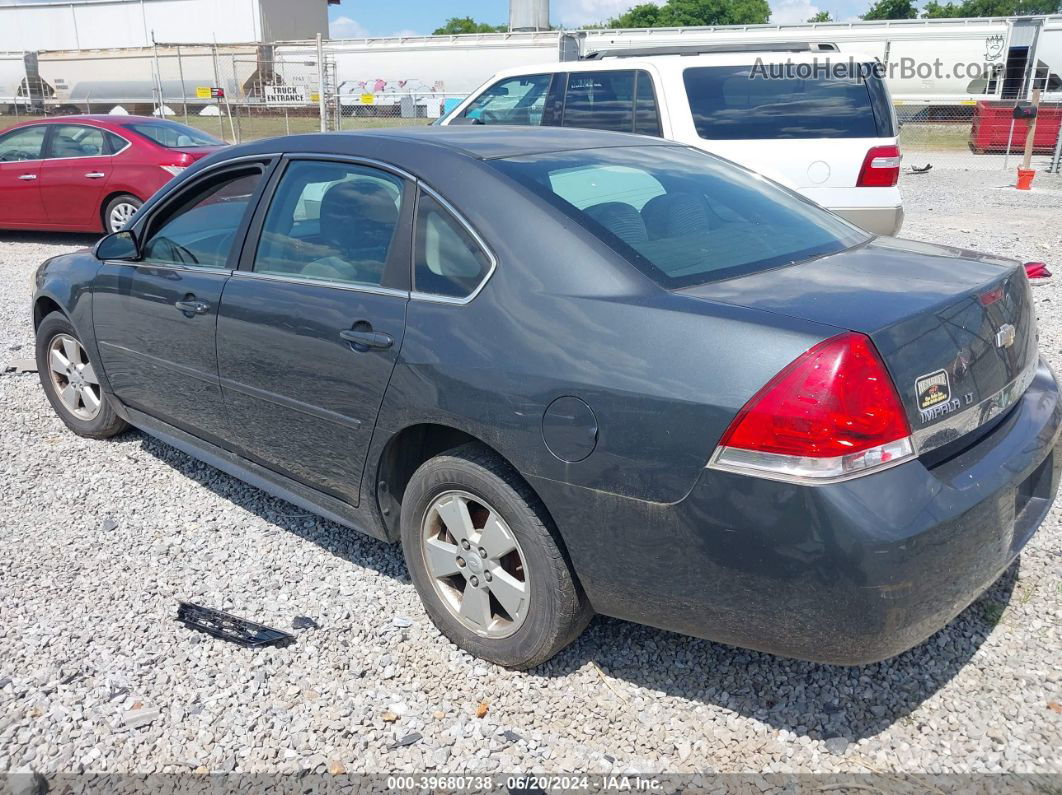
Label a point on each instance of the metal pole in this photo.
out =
(321, 84)
(184, 88)
(1056, 161)
(217, 84)
(158, 75)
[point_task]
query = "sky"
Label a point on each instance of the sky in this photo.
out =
(357, 18)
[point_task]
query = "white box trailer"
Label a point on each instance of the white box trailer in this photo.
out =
(931, 61)
(13, 95)
(138, 78)
(424, 70)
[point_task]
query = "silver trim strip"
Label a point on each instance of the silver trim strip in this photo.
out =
(783, 477)
(168, 266)
(355, 288)
(950, 428)
(445, 299)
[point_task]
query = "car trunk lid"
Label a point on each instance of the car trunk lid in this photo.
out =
(954, 328)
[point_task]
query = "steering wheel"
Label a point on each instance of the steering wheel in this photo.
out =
(15, 155)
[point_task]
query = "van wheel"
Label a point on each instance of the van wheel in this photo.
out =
(119, 210)
(70, 381)
(487, 566)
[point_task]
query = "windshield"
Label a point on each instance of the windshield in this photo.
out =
(173, 135)
(682, 216)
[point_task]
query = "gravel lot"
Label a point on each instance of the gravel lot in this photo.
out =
(100, 540)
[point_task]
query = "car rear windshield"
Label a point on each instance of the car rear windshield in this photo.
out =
(682, 216)
(783, 101)
(173, 135)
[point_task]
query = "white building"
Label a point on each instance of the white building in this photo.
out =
(95, 24)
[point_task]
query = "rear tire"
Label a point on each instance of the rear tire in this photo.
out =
(118, 211)
(524, 604)
(70, 381)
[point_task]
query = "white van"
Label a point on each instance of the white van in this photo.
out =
(812, 118)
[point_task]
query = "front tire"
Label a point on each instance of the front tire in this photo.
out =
(70, 381)
(481, 552)
(119, 210)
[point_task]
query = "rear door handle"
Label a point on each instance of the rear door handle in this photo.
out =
(368, 339)
(95, 174)
(28, 176)
(192, 307)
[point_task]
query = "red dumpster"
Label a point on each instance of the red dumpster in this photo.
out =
(991, 124)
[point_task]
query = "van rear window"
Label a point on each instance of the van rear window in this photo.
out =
(738, 102)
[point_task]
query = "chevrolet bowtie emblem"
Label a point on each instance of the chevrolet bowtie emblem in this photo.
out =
(1005, 336)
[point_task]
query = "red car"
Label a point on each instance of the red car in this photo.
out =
(90, 173)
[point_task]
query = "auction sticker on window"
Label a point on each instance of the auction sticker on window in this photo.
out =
(932, 389)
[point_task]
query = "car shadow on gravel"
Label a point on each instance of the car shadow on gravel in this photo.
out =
(819, 701)
(76, 239)
(804, 698)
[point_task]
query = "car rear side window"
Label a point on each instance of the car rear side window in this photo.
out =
(743, 102)
(173, 135)
(682, 216)
(448, 260)
(621, 100)
(331, 222)
(76, 140)
(25, 143)
(201, 227)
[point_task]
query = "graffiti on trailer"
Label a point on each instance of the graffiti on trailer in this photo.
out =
(381, 86)
(994, 46)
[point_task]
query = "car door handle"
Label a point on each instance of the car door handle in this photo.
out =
(368, 339)
(192, 307)
(28, 176)
(95, 175)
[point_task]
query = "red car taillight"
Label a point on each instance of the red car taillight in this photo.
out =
(881, 168)
(831, 414)
(1037, 270)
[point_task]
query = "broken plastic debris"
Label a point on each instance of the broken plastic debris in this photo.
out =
(229, 627)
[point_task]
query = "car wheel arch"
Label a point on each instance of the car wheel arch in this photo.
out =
(44, 306)
(403, 454)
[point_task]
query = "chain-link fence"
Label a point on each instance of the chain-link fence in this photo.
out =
(982, 135)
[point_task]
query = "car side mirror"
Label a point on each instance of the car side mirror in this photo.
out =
(118, 245)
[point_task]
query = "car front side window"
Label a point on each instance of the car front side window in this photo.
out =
(514, 100)
(331, 222)
(200, 230)
(25, 143)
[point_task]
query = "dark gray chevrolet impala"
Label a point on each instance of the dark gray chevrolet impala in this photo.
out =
(577, 372)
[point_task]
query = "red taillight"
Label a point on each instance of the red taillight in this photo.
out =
(832, 413)
(1037, 270)
(881, 168)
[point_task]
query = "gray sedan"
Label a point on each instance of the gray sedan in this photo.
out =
(576, 372)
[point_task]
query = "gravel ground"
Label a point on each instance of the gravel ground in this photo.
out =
(102, 538)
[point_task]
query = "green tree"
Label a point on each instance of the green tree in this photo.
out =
(468, 25)
(892, 9)
(822, 16)
(990, 8)
(686, 13)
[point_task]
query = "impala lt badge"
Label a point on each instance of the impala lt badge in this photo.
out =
(1005, 336)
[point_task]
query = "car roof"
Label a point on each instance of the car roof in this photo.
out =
(684, 60)
(482, 142)
(91, 118)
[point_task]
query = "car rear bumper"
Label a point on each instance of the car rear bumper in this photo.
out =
(847, 573)
(877, 220)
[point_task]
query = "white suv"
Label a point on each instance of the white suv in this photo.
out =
(808, 117)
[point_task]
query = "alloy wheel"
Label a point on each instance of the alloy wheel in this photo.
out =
(120, 213)
(476, 564)
(74, 378)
